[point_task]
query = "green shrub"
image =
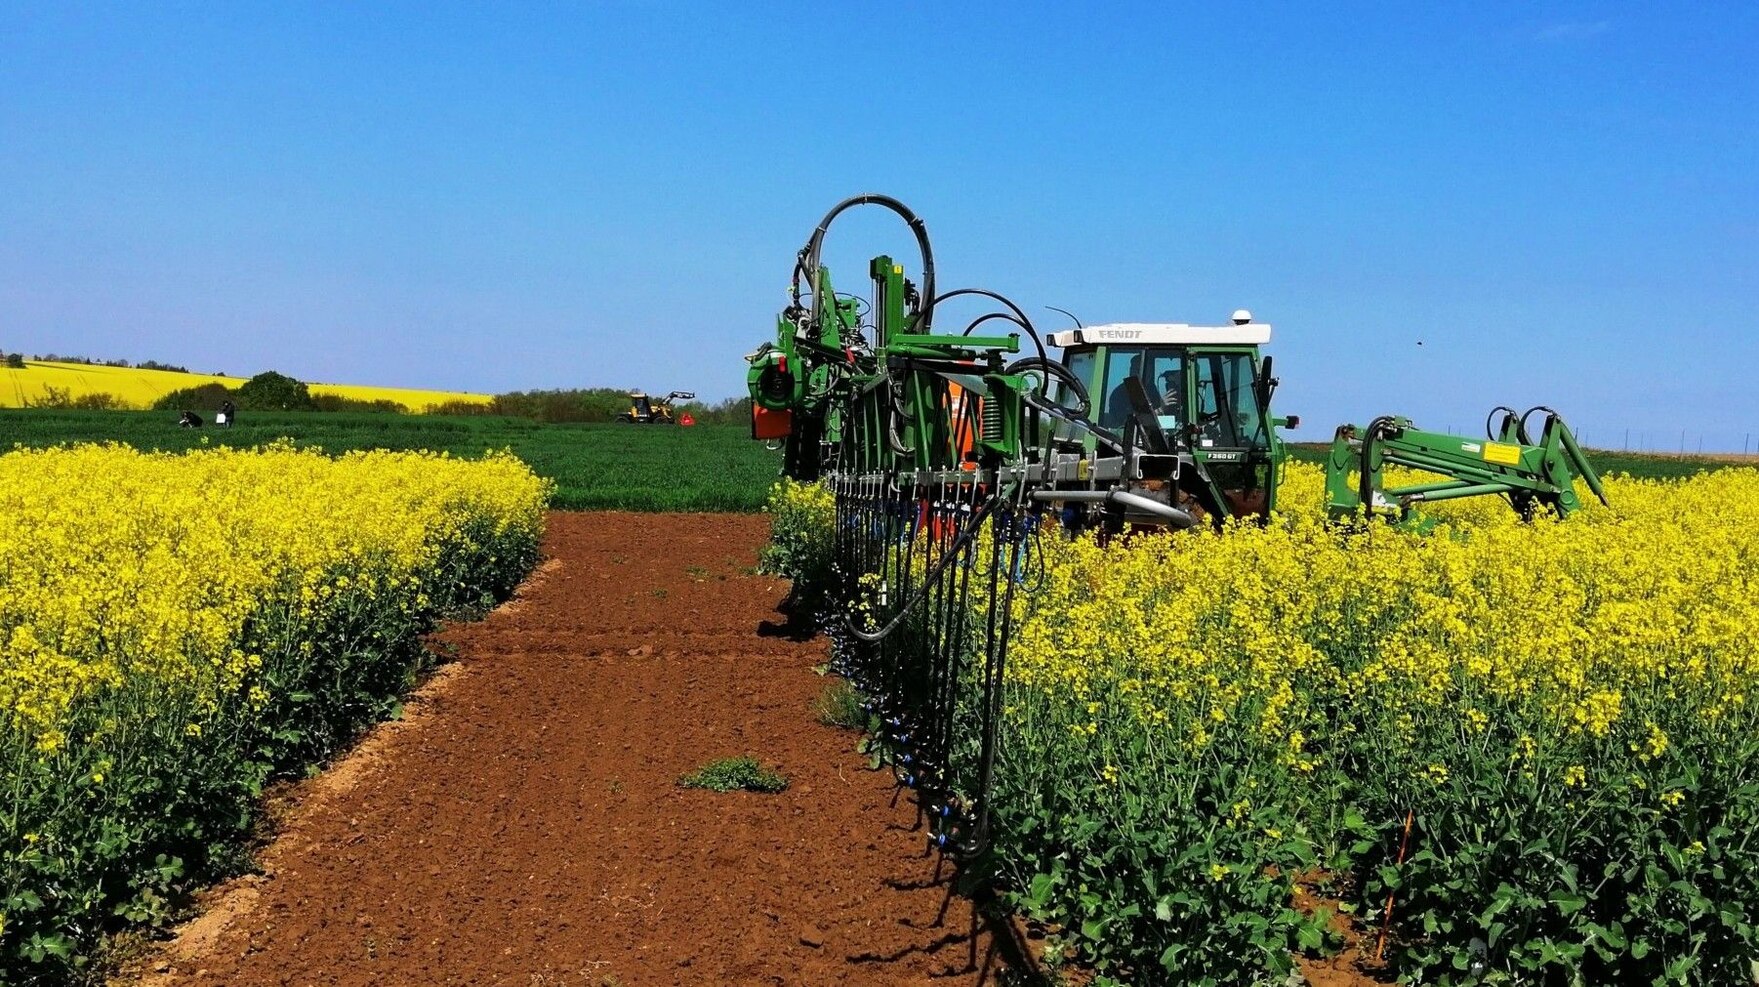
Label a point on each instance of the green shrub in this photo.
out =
(203, 397)
(270, 391)
(61, 398)
(462, 408)
(336, 402)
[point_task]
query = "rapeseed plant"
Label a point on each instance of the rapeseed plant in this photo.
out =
(175, 628)
(1564, 708)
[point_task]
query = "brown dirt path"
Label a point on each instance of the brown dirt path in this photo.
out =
(522, 826)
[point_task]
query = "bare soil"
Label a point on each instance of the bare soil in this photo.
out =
(1352, 966)
(522, 824)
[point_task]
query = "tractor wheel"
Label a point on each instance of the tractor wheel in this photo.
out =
(625, 419)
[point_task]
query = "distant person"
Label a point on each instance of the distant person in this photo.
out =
(190, 419)
(228, 414)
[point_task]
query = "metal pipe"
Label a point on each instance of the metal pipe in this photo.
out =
(1424, 488)
(1137, 502)
(1454, 493)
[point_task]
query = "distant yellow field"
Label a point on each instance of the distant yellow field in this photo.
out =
(140, 388)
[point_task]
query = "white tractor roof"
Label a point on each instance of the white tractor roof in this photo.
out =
(1164, 333)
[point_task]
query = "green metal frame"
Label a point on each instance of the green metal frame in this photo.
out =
(1529, 474)
(895, 385)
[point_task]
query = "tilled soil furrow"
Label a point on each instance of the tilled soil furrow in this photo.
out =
(524, 825)
(636, 644)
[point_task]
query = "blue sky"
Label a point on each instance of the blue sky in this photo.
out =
(1560, 201)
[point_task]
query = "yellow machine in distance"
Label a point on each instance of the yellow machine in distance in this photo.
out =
(647, 410)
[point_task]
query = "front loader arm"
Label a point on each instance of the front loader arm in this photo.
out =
(1528, 473)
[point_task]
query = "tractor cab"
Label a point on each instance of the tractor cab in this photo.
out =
(1196, 398)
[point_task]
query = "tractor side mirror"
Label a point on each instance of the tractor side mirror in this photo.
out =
(1293, 421)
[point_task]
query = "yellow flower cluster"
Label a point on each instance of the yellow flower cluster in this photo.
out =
(1608, 625)
(811, 498)
(1523, 704)
(121, 568)
(802, 519)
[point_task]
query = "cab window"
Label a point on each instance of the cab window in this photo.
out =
(1162, 372)
(1080, 364)
(1227, 408)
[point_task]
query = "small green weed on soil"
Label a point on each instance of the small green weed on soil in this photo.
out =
(735, 774)
(839, 705)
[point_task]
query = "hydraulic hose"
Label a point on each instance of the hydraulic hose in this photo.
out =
(1005, 317)
(1052, 368)
(1489, 428)
(1530, 412)
(807, 262)
(1019, 319)
(1364, 479)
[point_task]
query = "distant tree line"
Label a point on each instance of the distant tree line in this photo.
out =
(268, 391)
(592, 404)
(276, 392)
(272, 391)
(88, 361)
(61, 397)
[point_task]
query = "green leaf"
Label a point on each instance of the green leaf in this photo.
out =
(1612, 935)
(1569, 904)
(1169, 957)
(1038, 895)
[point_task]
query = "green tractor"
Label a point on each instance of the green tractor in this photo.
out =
(1174, 413)
(1163, 424)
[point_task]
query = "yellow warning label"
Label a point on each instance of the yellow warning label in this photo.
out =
(1502, 452)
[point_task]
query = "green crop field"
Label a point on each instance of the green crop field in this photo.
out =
(595, 466)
